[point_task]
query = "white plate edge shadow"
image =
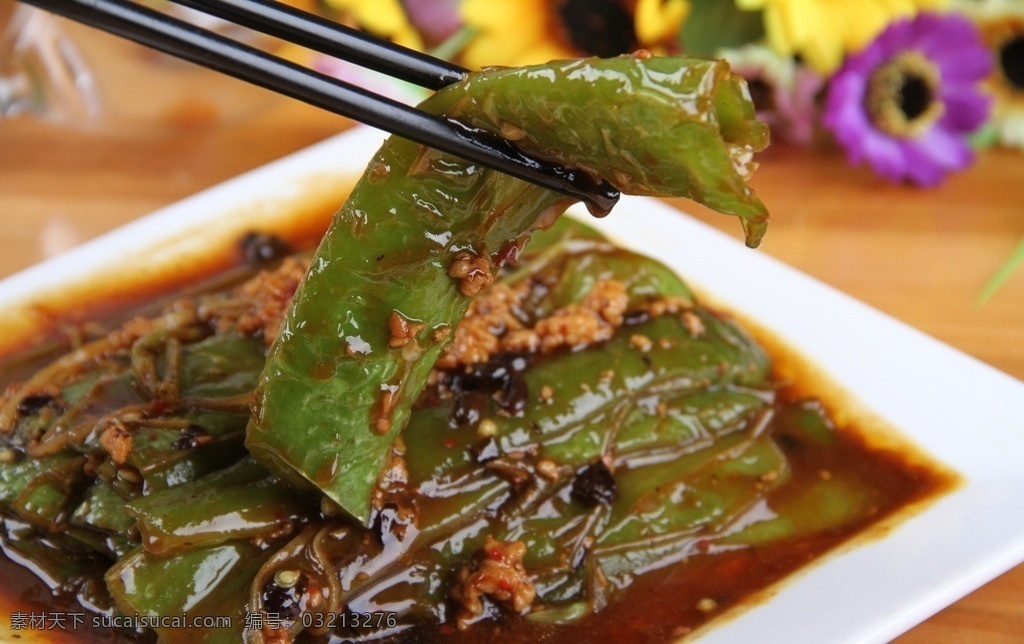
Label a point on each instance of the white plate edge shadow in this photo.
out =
(957, 409)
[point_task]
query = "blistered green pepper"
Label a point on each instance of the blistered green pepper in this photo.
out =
(148, 407)
(674, 408)
(197, 596)
(239, 502)
(423, 231)
(676, 413)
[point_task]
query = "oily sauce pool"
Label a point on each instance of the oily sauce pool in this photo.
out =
(892, 480)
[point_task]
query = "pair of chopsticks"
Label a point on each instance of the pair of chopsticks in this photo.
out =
(189, 42)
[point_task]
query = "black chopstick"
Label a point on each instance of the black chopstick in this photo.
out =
(189, 42)
(317, 33)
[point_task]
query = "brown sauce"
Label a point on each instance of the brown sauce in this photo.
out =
(659, 606)
(673, 602)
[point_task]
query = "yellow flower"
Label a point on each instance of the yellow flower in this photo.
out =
(523, 32)
(659, 21)
(824, 31)
(1001, 23)
(384, 18)
(510, 33)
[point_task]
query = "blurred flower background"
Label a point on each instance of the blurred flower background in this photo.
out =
(913, 89)
(909, 87)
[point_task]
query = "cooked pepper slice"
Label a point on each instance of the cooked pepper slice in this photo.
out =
(239, 502)
(210, 582)
(423, 231)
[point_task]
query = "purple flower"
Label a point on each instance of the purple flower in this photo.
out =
(906, 102)
(437, 20)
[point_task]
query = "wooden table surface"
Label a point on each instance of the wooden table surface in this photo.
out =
(919, 255)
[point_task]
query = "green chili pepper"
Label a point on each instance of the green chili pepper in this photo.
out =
(372, 314)
(221, 366)
(648, 449)
(209, 582)
(180, 394)
(46, 499)
(102, 521)
(681, 420)
(16, 476)
(239, 502)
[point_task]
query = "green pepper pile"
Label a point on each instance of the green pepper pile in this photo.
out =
(174, 467)
(655, 126)
(640, 451)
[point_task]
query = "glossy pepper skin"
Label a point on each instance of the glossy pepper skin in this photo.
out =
(338, 385)
(685, 425)
(175, 504)
(641, 454)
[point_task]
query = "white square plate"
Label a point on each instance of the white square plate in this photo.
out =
(959, 411)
